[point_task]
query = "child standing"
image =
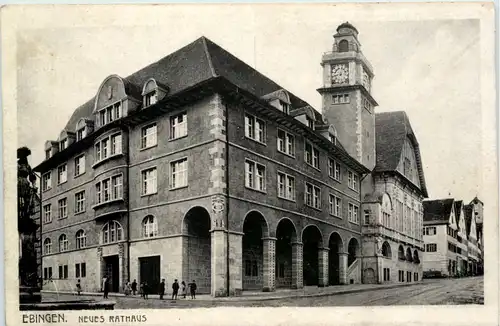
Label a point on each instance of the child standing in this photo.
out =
(78, 287)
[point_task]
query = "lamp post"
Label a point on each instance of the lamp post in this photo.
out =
(29, 280)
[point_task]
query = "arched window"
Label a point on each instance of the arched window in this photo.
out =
(112, 232)
(386, 211)
(343, 46)
(149, 227)
(81, 239)
(386, 250)
(401, 253)
(47, 246)
(63, 243)
(409, 256)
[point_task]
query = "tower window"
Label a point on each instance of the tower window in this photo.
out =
(343, 46)
(340, 98)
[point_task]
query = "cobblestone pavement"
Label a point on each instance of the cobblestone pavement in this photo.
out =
(430, 292)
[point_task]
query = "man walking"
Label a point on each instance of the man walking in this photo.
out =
(193, 290)
(161, 290)
(106, 287)
(175, 290)
(134, 287)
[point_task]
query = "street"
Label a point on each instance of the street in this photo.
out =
(430, 292)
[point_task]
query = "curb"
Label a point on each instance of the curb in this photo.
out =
(249, 299)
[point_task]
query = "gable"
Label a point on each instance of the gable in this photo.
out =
(453, 220)
(408, 163)
(461, 221)
(473, 228)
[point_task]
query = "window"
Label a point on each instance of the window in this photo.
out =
(387, 274)
(431, 247)
(63, 243)
(334, 169)
(179, 174)
(47, 213)
(47, 154)
(46, 181)
(47, 273)
(310, 122)
(150, 98)
(80, 202)
(63, 272)
(431, 230)
(353, 213)
(80, 134)
(367, 218)
(149, 185)
(108, 146)
(281, 270)
(149, 138)
(415, 277)
(251, 268)
(332, 139)
(340, 98)
(401, 276)
(81, 239)
(110, 113)
(335, 205)
(80, 270)
(408, 277)
(284, 107)
(343, 46)
(313, 196)
(62, 174)
(149, 227)
(79, 165)
(62, 208)
(286, 186)
(103, 191)
(353, 181)
(286, 142)
(312, 155)
(178, 126)
(255, 175)
(63, 144)
(112, 232)
(367, 105)
(254, 128)
(47, 246)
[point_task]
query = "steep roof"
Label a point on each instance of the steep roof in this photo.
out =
(196, 62)
(391, 131)
(468, 217)
(458, 205)
(437, 211)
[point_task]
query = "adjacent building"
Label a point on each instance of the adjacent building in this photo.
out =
(451, 236)
(198, 167)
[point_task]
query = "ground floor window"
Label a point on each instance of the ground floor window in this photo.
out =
(47, 273)
(251, 268)
(415, 277)
(80, 270)
(63, 271)
(401, 276)
(408, 276)
(387, 274)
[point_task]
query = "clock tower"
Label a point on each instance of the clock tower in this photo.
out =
(347, 101)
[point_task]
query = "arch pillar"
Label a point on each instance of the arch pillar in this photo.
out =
(269, 266)
(343, 267)
(218, 247)
(323, 266)
(297, 265)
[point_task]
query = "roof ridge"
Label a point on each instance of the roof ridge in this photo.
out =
(209, 57)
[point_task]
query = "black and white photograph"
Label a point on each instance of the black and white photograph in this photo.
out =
(249, 156)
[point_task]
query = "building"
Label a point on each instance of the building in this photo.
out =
(198, 167)
(451, 239)
(386, 144)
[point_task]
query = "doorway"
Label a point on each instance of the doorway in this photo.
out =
(149, 271)
(112, 270)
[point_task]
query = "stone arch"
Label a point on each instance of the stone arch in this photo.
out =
(286, 235)
(189, 211)
(255, 228)
(416, 258)
(312, 238)
(353, 251)
(409, 256)
(336, 246)
(386, 250)
(196, 226)
(401, 253)
(343, 46)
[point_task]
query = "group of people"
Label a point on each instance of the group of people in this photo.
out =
(145, 289)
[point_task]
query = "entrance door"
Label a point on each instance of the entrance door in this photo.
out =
(149, 271)
(112, 270)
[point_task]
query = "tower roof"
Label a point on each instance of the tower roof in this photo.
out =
(347, 25)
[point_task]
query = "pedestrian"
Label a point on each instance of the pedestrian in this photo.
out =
(141, 290)
(146, 290)
(127, 289)
(183, 289)
(161, 290)
(78, 287)
(175, 290)
(134, 287)
(106, 288)
(103, 281)
(193, 290)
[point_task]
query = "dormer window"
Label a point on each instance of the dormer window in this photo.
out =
(47, 154)
(284, 107)
(63, 144)
(110, 113)
(80, 133)
(310, 123)
(150, 98)
(333, 139)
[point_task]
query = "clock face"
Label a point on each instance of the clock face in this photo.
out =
(340, 74)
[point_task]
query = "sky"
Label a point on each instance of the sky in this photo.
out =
(429, 68)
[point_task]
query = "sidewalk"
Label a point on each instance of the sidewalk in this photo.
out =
(308, 291)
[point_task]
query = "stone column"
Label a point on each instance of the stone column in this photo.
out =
(101, 268)
(269, 266)
(219, 250)
(185, 257)
(235, 263)
(297, 265)
(323, 266)
(122, 265)
(343, 267)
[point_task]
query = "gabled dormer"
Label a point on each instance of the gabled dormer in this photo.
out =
(280, 99)
(152, 92)
(328, 131)
(305, 115)
(66, 138)
(51, 147)
(116, 98)
(84, 127)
